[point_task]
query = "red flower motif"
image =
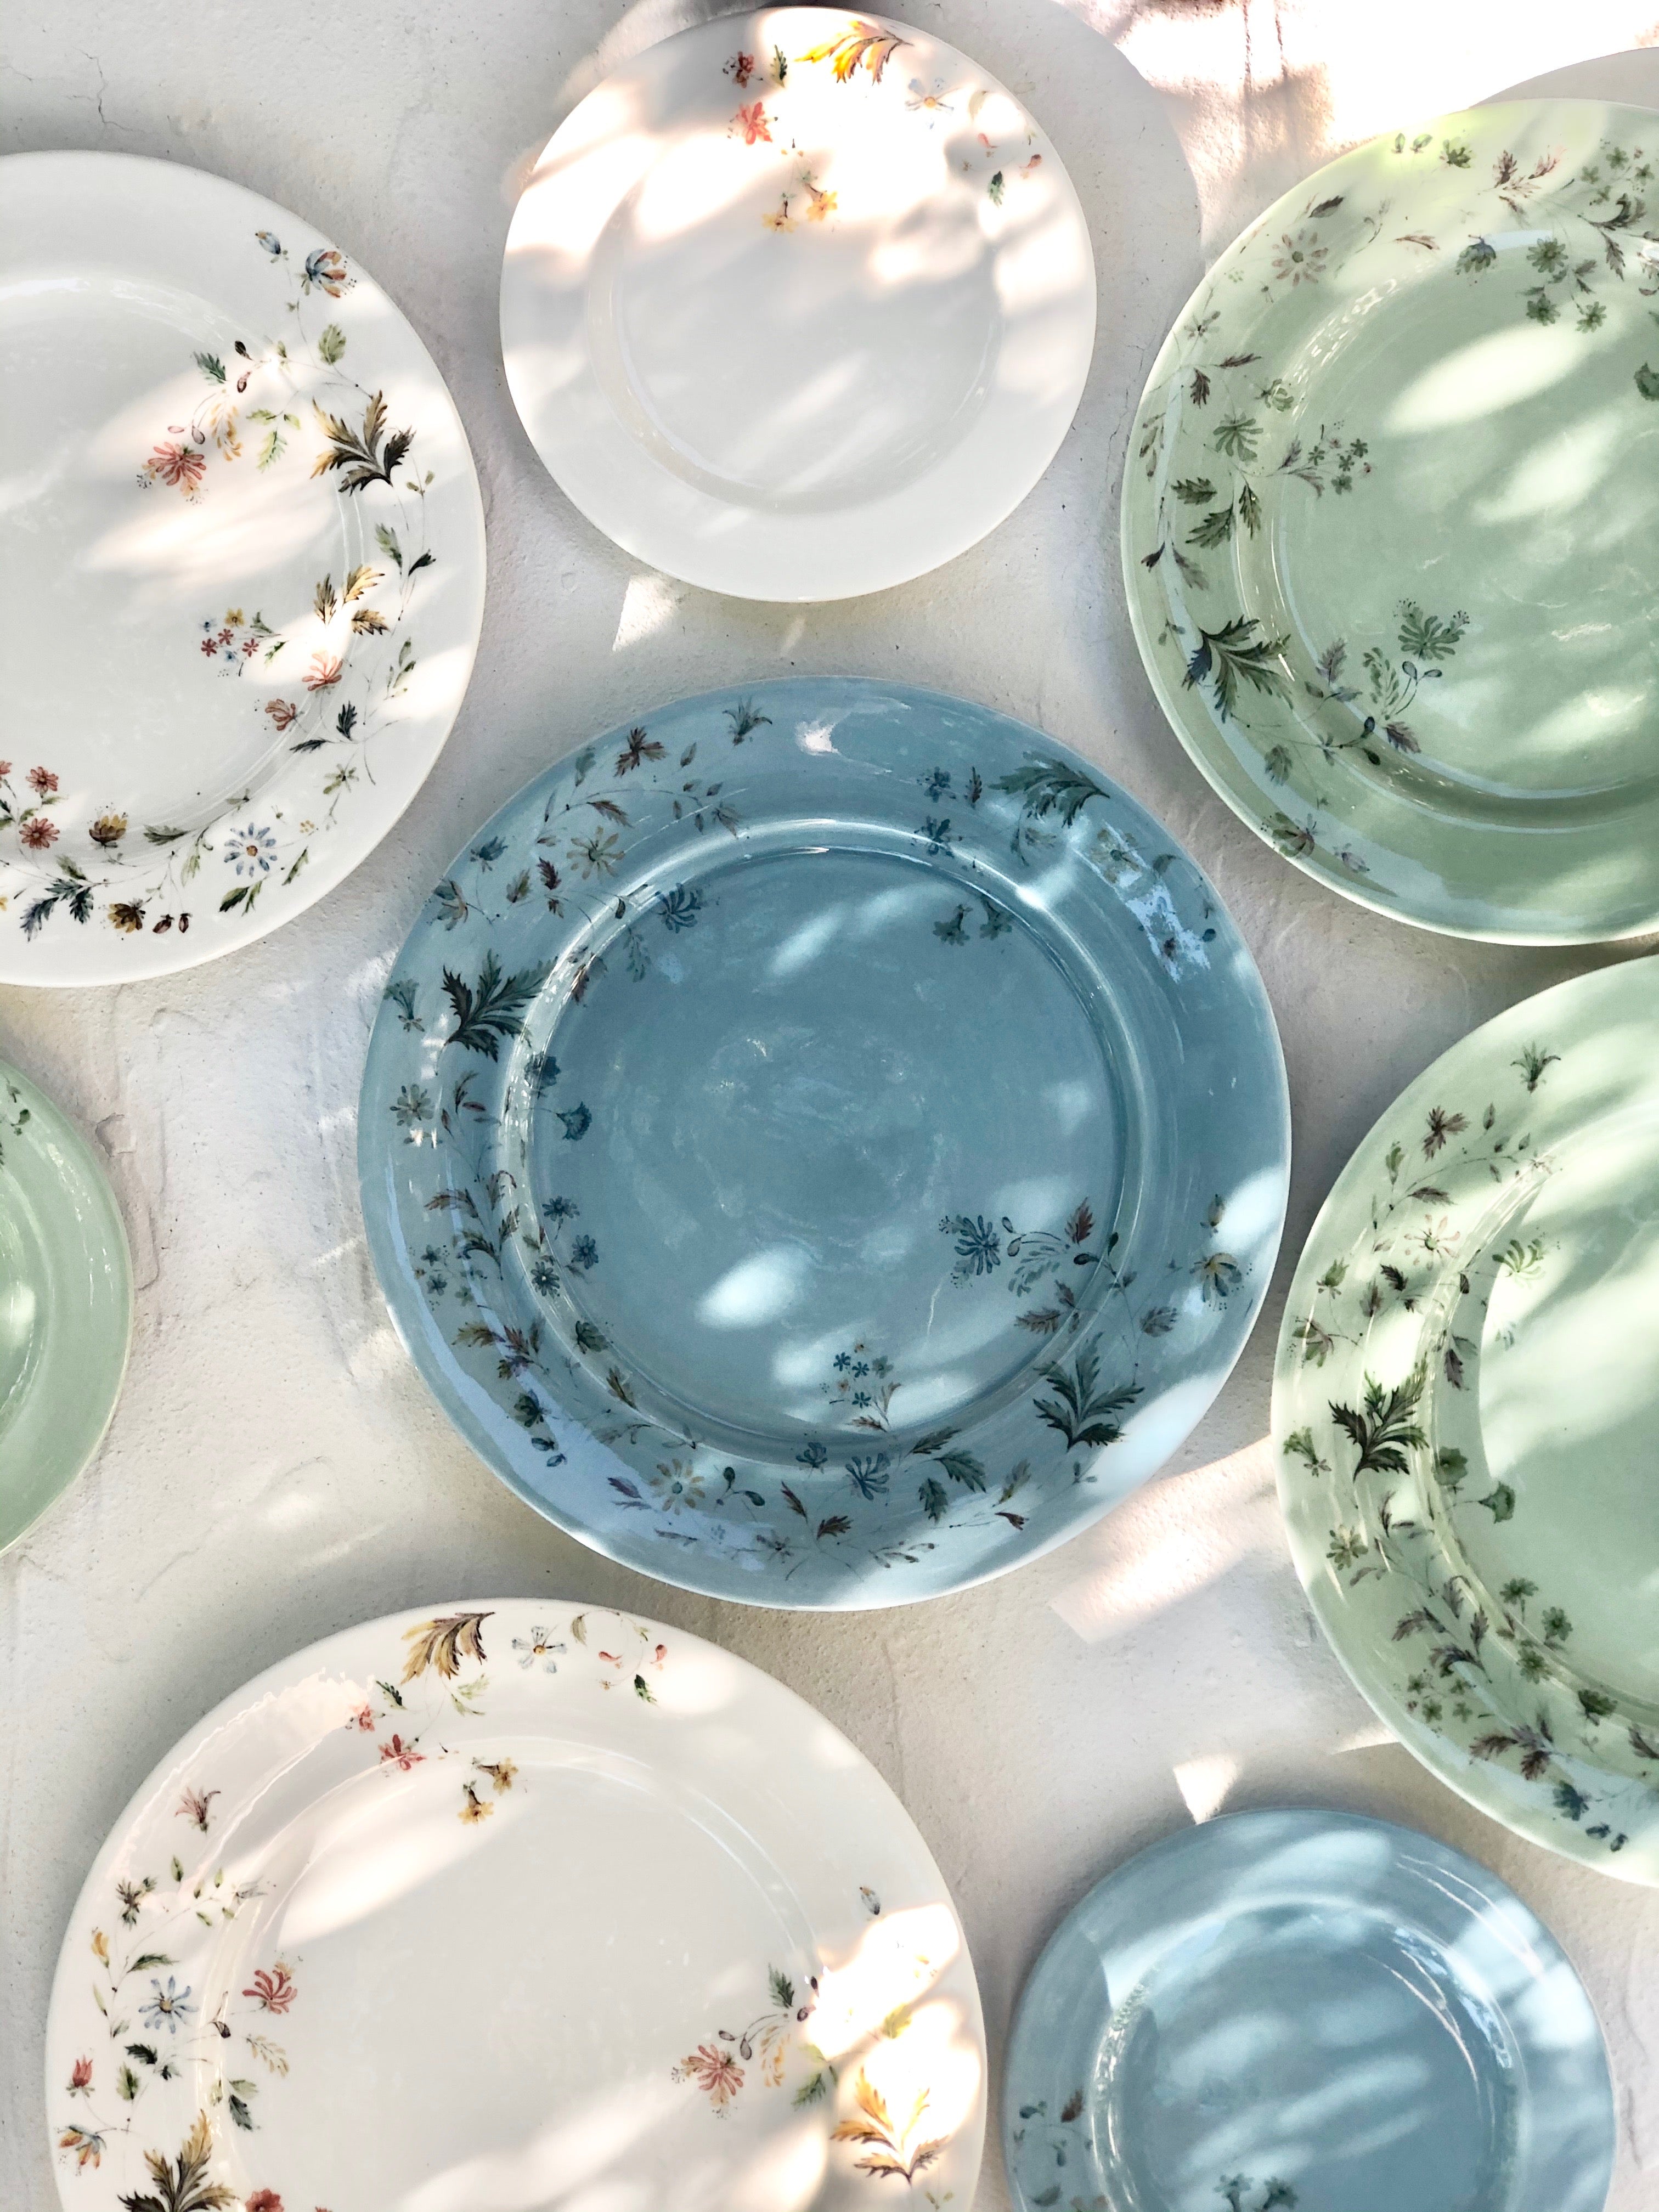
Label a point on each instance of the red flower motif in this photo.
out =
(43, 781)
(177, 465)
(281, 712)
(742, 68)
(39, 834)
(714, 2071)
(81, 2076)
(263, 2200)
(401, 1754)
(5, 768)
(752, 122)
(275, 1991)
(250, 646)
(363, 1718)
(208, 648)
(325, 669)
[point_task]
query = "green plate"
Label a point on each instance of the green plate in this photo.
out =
(1391, 524)
(1464, 1408)
(65, 1303)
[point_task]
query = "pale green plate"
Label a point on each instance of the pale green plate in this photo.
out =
(1391, 524)
(65, 1303)
(1464, 1410)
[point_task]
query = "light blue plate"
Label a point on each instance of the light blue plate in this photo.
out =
(824, 1146)
(1307, 2010)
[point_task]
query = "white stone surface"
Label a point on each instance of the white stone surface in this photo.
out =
(275, 1469)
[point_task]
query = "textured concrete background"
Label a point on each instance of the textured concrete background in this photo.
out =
(275, 1469)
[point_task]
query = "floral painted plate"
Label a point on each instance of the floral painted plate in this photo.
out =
(1305, 2012)
(1390, 526)
(241, 566)
(825, 1145)
(65, 1303)
(506, 1906)
(799, 304)
(1463, 1409)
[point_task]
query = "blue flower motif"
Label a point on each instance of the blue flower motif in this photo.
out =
(812, 1455)
(937, 833)
(584, 1254)
(561, 1209)
(252, 851)
(577, 1122)
(868, 1476)
(170, 2005)
(544, 1276)
(978, 1245)
(678, 907)
(489, 853)
(938, 783)
(844, 1359)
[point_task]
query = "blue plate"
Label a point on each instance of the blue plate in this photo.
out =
(1307, 2010)
(822, 1146)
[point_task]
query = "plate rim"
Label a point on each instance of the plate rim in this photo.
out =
(116, 963)
(1168, 696)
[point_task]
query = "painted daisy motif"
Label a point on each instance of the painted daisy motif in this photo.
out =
(1300, 259)
(250, 850)
(538, 1650)
(167, 2007)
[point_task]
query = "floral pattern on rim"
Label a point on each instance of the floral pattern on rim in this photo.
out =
(858, 55)
(1222, 445)
(1370, 1476)
(261, 400)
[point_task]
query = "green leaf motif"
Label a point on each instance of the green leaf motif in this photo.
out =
(1647, 381)
(1050, 787)
(211, 368)
(1233, 654)
(332, 345)
(491, 1009)
(1235, 436)
(1081, 1415)
(1385, 1427)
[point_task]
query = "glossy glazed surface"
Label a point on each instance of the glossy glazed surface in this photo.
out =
(1391, 520)
(823, 1146)
(461, 1909)
(1306, 2010)
(65, 1303)
(241, 566)
(798, 304)
(1462, 1411)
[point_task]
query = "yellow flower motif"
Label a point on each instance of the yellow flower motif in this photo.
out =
(100, 1945)
(780, 218)
(474, 1807)
(501, 1772)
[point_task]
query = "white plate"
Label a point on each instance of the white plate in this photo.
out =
(497, 1908)
(797, 304)
(242, 566)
